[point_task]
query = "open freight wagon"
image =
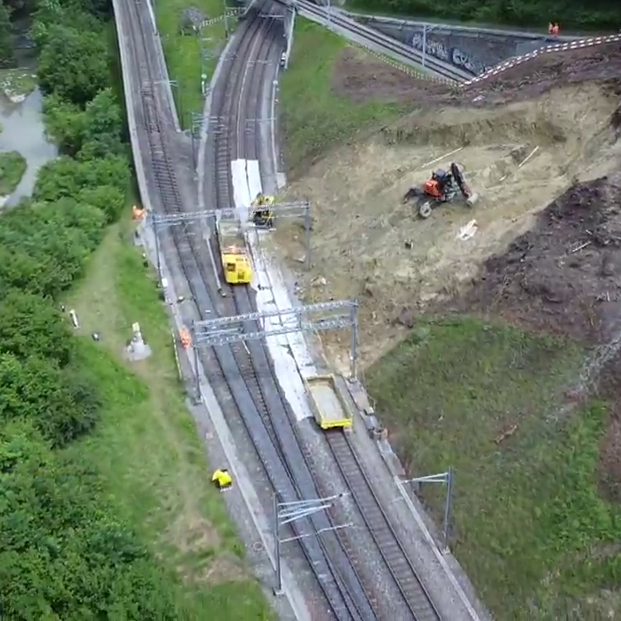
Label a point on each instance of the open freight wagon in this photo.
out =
(329, 408)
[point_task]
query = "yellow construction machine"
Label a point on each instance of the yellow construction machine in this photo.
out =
(234, 253)
(262, 214)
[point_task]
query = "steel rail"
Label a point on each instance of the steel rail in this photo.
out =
(392, 552)
(250, 146)
(400, 568)
(254, 365)
(252, 149)
(378, 523)
(169, 196)
(388, 43)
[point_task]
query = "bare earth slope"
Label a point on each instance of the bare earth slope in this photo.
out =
(368, 245)
(517, 329)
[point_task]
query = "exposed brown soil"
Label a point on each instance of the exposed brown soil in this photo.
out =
(563, 275)
(556, 266)
(362, 78)
(368, 245)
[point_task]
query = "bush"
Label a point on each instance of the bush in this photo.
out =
(73, 64)
(30, 325)
(63, 555)
(91, 133)
(579, 14)
(66, 177)
(38, 390)
(42, 251)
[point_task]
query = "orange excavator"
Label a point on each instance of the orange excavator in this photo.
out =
(442, 187)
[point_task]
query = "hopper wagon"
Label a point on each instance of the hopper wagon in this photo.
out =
(327, 404)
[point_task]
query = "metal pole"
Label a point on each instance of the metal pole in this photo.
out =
(424, 43)
(278, 589)
(193, 146)
(354, 340)
(307, 231)
(447, 507)
(226, 23)
(196, 371)
(180, 99)
(158, 260)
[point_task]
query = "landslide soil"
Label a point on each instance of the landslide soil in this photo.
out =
(518, 156)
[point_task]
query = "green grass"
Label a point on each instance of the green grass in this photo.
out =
(17, 82)
(182, 52)
(315, 118)
(12, 168)
(530, 527)
(147, 447)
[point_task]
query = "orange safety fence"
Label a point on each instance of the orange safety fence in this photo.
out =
(184, 338)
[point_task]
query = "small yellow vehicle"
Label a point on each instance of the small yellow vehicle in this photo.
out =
(237, 269)
(234, 254)
(262, 214)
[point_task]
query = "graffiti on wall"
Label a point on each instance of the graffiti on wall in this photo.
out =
(452, 55)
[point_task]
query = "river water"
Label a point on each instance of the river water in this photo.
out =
(23, 131)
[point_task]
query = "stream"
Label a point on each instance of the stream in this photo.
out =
(23, 130)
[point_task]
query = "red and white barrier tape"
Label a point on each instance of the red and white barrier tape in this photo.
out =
(558, 47)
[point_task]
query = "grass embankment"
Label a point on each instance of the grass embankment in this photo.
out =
(12, 168)
(146, 446)
(315, 118)
(183, 51)
(530, 527)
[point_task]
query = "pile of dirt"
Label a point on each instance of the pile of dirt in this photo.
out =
(368, 245)
(592, 64)
(564, 274)
(362, 78)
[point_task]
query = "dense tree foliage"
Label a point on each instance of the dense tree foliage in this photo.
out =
(578, 14)
(73, 64)
(62, 556)
(63, 552)
(29, 325)
(6, 51)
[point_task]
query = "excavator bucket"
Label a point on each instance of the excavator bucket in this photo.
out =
(470, 196)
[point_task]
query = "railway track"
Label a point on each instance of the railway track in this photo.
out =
(372, 38)
(392, 552)
(161, 159)
(411, 588)
(234, 102)
(342, 591)
(396, 559)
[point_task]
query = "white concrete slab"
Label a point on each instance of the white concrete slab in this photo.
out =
(241, 191)
(254, 178)
(246, 184)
